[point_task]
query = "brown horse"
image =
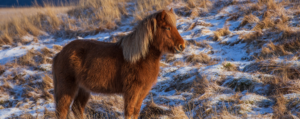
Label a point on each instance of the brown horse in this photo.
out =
(129, 67)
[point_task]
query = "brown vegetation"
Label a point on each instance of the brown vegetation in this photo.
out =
(200, 58)
(229, 66)
(249, 19)
(221, 32)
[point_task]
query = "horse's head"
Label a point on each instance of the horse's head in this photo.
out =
(158, 30)
(166, 36)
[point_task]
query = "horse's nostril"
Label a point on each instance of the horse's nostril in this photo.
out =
(180, 47)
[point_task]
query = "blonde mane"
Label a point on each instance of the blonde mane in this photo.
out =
(136, 44)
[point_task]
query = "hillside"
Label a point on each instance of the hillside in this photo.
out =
(28, 3)
(241, 59)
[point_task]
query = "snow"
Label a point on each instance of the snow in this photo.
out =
(244, 82)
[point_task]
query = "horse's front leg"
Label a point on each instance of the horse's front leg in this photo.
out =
(131, 95)
(139, 102)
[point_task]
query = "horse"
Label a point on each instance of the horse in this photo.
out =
(128, 67)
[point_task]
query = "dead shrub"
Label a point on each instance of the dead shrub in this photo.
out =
(204, 24)
(47, 82)
(200, 58)
(230, 67)
(47, 52)
(200, 85)
(34, 58)
(251, 36)
(199, 3)
(191, 27)
(48, 114)
(144, 6)
(203, 44)
(27, 59)
(2, 69)
(221, 32)
(249, 19)
(265, 23)
(286, 47)
(170, 58)
(178, 113)
(279, 108)
(152, 110)
(57, 47)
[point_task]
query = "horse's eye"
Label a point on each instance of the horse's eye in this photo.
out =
(168, 28)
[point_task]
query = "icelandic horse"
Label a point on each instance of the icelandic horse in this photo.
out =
(129, 67)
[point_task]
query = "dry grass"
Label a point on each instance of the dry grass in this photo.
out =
(251, 36)
(100, 12)
(200, 85)
(43, 21)
(286, 47)
(2, 69)
(92, 16)
(152, 110)
(170, 58)
(57, 47)
(199, 3)
(200, 58)
(35, 58)
(8, 14)
(265, 23)
(229, 66)
(192, 26)
(202, 44)
(249, 19)
(221, 32)
(145, 7)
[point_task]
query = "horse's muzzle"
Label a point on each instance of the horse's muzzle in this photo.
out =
(179, 49)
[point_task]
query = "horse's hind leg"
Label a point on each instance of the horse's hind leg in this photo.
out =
(64, 94)
(80, 102)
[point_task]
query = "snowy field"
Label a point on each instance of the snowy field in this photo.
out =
(241, 61)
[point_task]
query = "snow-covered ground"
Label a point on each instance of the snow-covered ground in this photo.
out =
(229, 83)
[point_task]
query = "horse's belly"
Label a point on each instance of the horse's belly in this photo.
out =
(102, 87)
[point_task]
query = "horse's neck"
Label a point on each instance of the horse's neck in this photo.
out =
(153, 54)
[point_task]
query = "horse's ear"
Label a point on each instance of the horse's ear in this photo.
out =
(171, 10)
(163, 14)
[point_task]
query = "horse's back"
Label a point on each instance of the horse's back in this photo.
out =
(86, 61)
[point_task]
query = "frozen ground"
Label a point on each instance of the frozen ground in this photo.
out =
(231, 81)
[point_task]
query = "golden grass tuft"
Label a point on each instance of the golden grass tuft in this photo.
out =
(47, 52)
(200, 58)
(199, 3)
(221, 32)
(169, 58)
(47, 82)
(229, 66)
(144, 6)
(249, 19)
(286, 47)
(202, 44)
(251, 36)
(27, 59)
(152, 110)
(2, 69)
(43, 21)
(200, 85)
(57, 47)
(265, 23)
(192, 26)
